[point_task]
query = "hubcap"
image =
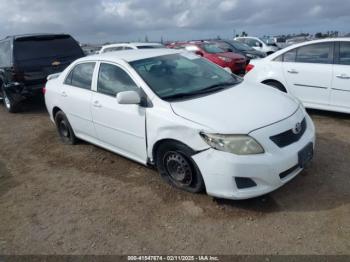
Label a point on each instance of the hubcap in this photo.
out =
(7, 101)
(64, 129)
(178, 168)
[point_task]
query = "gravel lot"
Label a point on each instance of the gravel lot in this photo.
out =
(58, 199)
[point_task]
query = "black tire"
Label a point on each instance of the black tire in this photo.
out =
(177, 168)
(64, 129)
(9, 103)
(276, 85)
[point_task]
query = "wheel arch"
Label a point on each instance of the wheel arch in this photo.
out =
(265, 82)
(160, 142)
(55, 110)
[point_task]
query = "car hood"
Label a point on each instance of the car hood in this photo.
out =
(237, 110)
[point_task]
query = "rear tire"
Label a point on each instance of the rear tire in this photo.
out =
(276, 85)
(9, 104)
(64, 129)
(177, 168)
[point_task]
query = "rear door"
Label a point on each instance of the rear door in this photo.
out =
(340, 94)
(308, 71)
(76, 95)
(121, 127)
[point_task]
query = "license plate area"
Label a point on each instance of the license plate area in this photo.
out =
(305, 155)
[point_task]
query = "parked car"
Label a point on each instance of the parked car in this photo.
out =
(239, 48)
(202, 127)
(316, 72)
(27, 60)
(258, 44)
(232, 62)
(129, 46)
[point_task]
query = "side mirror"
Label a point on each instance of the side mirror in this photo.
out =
(128, 98)
(229, 50)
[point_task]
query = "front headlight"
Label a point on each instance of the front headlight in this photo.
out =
(235, 144)
(226, 59)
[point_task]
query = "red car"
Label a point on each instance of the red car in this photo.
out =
(235, 62)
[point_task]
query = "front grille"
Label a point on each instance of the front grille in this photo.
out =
(289, 137)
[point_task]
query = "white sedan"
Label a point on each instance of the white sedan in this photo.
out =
(316, 72)
(202, 127)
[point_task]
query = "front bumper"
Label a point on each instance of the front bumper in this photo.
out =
(219, 169)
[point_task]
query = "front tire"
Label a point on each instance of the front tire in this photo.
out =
(64, 129)
(176, 167)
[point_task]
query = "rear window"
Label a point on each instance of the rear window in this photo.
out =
(39, 47)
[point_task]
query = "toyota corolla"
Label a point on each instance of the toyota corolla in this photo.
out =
(202, 127)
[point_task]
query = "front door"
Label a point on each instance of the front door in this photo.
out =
(121, 127)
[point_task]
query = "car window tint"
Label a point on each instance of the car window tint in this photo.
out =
(344, 55)
(112, 80)
(81, 75)
(315, 53)
(290, 56)
(5, 53)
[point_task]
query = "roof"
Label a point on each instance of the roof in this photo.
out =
(286, 49)
(131, 55)
(30, 35)
(136, 44)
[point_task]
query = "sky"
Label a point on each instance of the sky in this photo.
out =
(99, 21)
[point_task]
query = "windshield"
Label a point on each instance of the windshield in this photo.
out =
(51, 46)
(183, 75)
(212, 48)
(241, 46)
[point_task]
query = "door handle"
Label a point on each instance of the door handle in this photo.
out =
(293, 71)
(64, 94)
(97, 104)
(343, 76)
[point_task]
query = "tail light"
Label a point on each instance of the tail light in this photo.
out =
(44, 90)
(249, 67)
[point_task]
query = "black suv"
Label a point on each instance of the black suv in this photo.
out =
(240, 48)
(27, 60)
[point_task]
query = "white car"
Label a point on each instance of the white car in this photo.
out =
(316, 72)
(202, 127)
(129, 46)
(258, 44)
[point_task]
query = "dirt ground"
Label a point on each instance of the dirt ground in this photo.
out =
(59, 199)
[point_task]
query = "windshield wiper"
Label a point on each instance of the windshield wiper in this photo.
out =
(212, 88)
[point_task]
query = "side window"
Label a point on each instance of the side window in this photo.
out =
(127, 48)
(112, 80)
(315, 53)
(5, 53)
(290, 56)
(344, 54)
(81, 75)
